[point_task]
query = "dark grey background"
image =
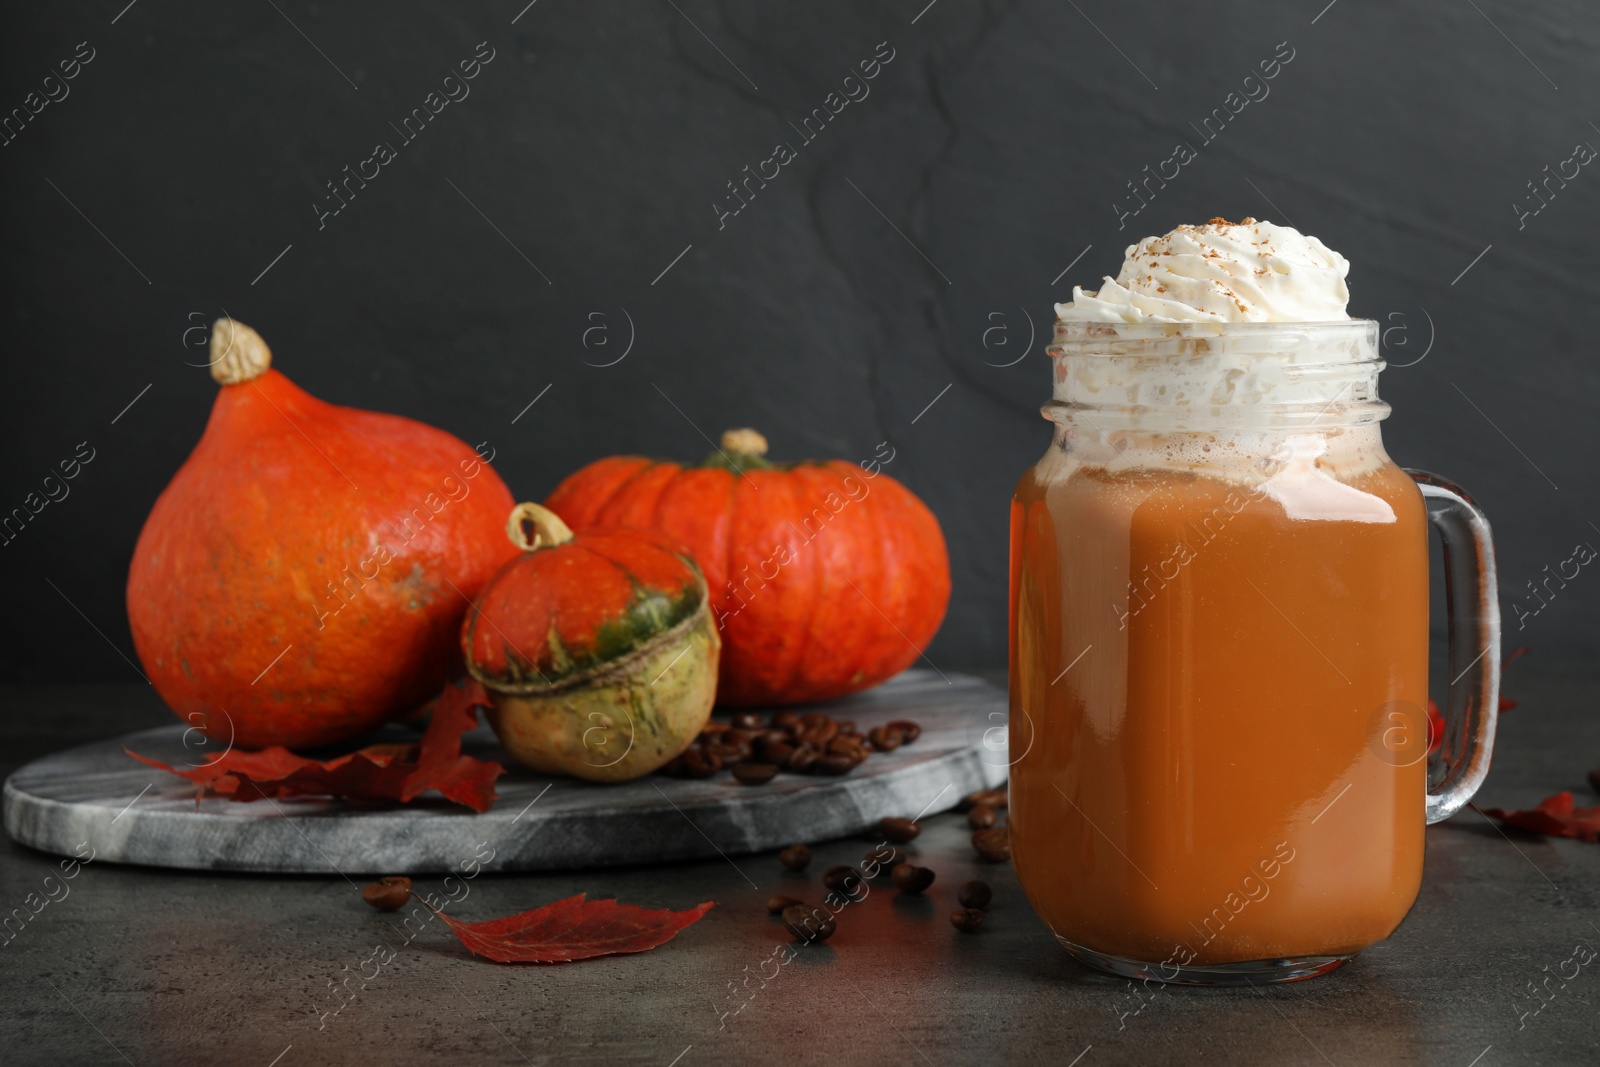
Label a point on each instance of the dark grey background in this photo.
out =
(192, 148)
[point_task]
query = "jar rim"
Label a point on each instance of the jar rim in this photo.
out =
(1191, 375)
(1083, 337)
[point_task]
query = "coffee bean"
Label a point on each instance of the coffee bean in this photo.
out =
(994, 798)
(981, 817)
(755, 773)
(909, 730)
(967, 920)
(740, 736)
(834, 764)
(779, 903)
(698, 763)
(747, 720)
(786, 720)
(818, 728)
(808, 923)
(911, 879)
(842, 879)
(730, 752)
(844, 745)
(885, 740)
(802, 759)
(388, 894)
(975, 894)
(898, 830)
(817, 735)
(795, 857)
(994, 844)
(775, 752)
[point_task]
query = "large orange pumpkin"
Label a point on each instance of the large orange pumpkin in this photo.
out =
(304, 576)
(825, 578)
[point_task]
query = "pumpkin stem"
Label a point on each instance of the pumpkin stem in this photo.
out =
(544, 525)
(746, 442)
(238, 354)
(742, 450)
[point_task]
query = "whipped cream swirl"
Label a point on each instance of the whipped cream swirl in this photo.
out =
(1220, 272)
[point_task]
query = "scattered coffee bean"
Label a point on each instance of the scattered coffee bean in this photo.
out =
(844, 744)
(994, 844)
(818, 728)
(388, 894)
(884, 739)
(981, 817)
(779, 752)
(807, 923)
(729, 752)
(994, 798)
(770, 751)
(698, 763)
(834, 765)
(842, 879)
(974, 894)
(898, 830)
(910, 731)
(779, 903)
(795, 857)
(967, 920)
(814, 743)
(911, 879)
(755, 773)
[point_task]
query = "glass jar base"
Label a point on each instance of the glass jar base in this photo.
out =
(1248, 972)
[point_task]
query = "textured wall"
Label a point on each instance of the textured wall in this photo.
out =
(904, 256)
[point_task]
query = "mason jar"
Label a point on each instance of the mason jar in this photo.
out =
(1219, 653)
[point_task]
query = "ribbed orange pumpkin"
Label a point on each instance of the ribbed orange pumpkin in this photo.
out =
(825, 578)
(304, 576)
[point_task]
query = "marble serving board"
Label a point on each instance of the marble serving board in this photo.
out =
(130, 813)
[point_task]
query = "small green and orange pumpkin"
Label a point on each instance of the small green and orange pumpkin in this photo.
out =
(598, 651)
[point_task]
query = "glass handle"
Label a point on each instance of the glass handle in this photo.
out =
(1472, 602)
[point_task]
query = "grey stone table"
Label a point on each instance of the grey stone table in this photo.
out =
(156, 966)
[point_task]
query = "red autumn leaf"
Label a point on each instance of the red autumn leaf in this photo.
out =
(378, 772)
(1554, 816)
(439, 762)
(572, 929)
